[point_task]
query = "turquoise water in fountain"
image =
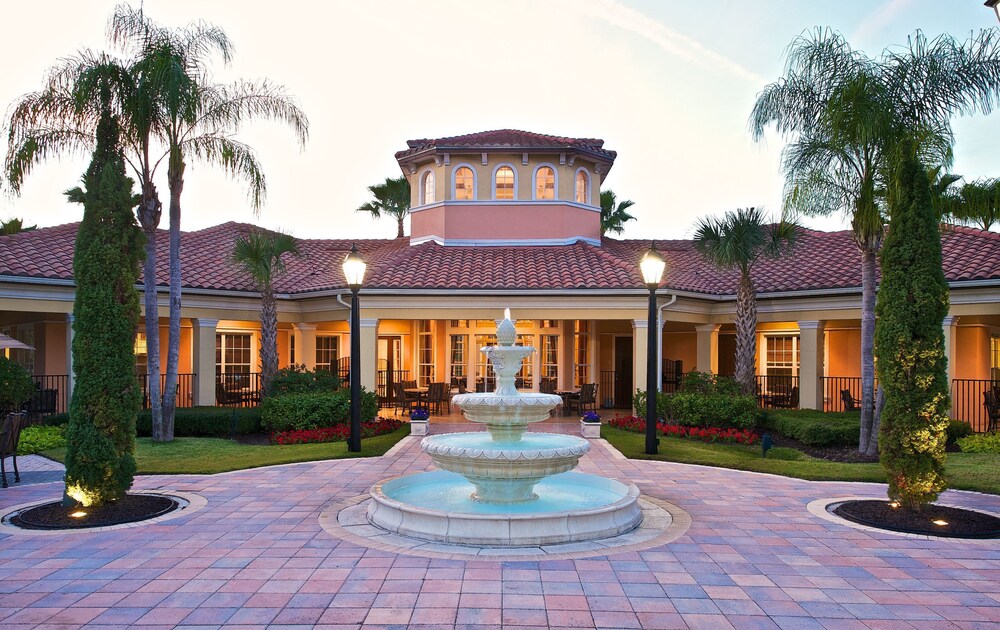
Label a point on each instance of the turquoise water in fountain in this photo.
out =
(450, 492)
(529, 441)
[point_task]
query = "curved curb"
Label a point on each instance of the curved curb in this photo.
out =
(819, 508)
(663, 523)
(190, 502)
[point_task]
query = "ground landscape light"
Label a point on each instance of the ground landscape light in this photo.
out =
(79, 514)
(939, 522)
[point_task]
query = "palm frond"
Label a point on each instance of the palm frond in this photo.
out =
(225, 107)
(236, 158)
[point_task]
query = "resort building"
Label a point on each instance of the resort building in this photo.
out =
(512, 219)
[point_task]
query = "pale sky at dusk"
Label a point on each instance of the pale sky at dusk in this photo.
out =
(667, 84)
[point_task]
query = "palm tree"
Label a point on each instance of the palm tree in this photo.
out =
(259, 254)
(614, 217)
(392, 198)
(737, 241)
(196, 120)
(15, 225)
(976, 203)
(846, 115)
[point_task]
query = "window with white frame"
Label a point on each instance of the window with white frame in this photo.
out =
(457, 357)
(485, 379)
(581, 354)
(550, 358)
(425, 353)
(581, 187)
(545, 183)
(233, 353)
(141, 351)
(327, 352)
(781, 355)
(504, 183)
(427, 187)
(465, 182)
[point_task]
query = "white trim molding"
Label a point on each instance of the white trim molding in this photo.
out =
(509, 242)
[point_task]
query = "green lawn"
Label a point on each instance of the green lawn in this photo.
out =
(214, 455)
(966, 471)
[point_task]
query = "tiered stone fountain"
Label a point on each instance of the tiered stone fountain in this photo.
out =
(505, 486)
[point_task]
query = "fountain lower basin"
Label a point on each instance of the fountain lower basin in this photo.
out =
(570, 507)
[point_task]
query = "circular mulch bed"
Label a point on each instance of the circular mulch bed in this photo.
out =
(951, 522)
(130, 509)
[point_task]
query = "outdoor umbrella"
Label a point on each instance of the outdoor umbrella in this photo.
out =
(10, 342)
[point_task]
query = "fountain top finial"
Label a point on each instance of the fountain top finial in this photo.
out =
(506, 333)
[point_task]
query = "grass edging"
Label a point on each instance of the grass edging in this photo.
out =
(978, 472)
(207, 456)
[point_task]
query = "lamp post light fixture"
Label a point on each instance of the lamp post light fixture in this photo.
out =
(995, 5)
(652, 266)
(354, 272)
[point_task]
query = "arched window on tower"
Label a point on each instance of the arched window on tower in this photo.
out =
(545, 183)
(505, 183)
(427, 186)
(464, 183)
(581, 187)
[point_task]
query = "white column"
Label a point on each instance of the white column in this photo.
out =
(640, 336)
(305, 344)
(203, 360)
(369, 353)
(70, 379)
(811, 345)
(950, 327)
(708, 348)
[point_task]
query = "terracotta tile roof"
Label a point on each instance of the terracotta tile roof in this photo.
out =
(513, 139)
(822, 260)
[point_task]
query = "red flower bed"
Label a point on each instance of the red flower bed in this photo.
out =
(339, 433)
(635, 424)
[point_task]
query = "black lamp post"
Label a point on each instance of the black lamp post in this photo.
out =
(652, 265)
(354, 272)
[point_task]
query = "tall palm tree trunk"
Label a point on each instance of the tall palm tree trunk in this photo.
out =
(152, 317)
(268, 338)
(869, 437)
(746, 333)
(399, 227)
(175, 177)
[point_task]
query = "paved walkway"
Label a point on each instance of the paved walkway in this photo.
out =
(256, 556)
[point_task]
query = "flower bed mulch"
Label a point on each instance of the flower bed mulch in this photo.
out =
(634, 424)
(129, 509)
(958, 523)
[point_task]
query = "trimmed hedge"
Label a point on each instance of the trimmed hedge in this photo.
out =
(296, 379)
(981, 443)
(816, 428)
(205, 421)
(297, 412)
(706, 401)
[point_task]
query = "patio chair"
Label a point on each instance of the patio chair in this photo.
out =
(10, 435)
(404, 401)
(992, 405)
(586, 400)
(850, 403)
(227, 398)
(787, 401)
(437, 395)
(547, 386)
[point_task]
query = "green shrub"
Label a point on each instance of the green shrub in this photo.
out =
(39, 438)
(296, 412)
(957, 430)
(980, 443)
(296, 379)
(16, 386)
(704, 400)
(205, 421)
(816, 428)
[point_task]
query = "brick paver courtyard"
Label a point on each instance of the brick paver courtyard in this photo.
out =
(256, 556)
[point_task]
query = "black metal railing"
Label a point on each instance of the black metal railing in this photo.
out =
(777, 391)
(608, 389)
(237, 389)
(673, 375)
(968, 402)
(50, 395)
(185, 389)
(841, 393)
(386, 380)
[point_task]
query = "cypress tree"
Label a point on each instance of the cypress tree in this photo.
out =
(100, 462)
(909, 342)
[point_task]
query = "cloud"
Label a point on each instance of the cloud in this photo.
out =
(615, 13)
(879, 18)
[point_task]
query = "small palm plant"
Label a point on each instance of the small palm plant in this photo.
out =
(392, 198)
(737, 241)
(614, 215)
(259, 254)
